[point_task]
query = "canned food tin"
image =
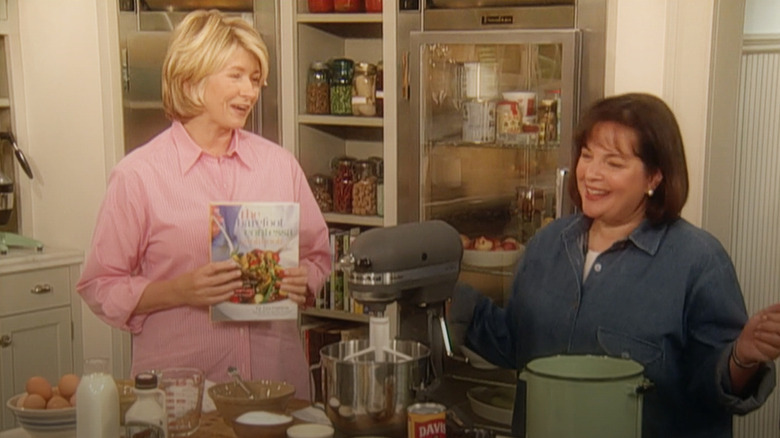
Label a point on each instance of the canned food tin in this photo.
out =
(548, 123)
(426, 420)
(509, 122)
(479, 121)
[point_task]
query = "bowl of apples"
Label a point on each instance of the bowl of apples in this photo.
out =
(491, 252)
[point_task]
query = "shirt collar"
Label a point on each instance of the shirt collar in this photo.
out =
(646, 236)
(189, 152)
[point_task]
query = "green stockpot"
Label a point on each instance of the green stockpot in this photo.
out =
(586, 396)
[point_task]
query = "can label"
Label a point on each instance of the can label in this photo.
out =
(426, 420)
(479, 121)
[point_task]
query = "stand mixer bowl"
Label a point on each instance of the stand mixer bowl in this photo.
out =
(364, 396)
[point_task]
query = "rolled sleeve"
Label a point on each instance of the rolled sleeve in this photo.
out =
(108, 283)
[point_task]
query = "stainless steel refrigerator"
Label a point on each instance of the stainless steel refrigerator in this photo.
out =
(491, 92)
(144, 31)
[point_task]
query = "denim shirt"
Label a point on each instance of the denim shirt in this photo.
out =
(666, 297)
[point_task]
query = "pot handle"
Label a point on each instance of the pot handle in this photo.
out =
(522, 375)
(644, 387)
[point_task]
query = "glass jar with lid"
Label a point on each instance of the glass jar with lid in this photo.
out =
(341, 72)
(318, 89)
(343, 181)
(364, 90)
(380, 88)
(379, 170)
(323, 193)
(364, 189)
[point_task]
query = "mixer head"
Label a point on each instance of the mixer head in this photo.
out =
(416, 262)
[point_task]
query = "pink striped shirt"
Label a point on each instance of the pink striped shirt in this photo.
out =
(153, 225)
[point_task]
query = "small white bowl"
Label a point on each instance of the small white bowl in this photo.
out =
(310, 430)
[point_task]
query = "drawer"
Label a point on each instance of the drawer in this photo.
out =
(34, 290)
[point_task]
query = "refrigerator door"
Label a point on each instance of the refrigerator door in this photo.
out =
(144, 36)
(490, 135)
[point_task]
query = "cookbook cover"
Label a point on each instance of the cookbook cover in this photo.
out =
(262, 238)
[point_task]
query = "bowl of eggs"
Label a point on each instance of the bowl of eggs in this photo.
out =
(45, 410)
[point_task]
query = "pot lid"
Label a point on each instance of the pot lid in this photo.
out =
(585, 367)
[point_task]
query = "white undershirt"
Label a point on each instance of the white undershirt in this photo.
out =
(590, 258)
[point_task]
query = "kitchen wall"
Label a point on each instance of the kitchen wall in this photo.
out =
(71, 78)
(70, 132)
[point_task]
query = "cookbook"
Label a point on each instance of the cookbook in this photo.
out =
(262, 237)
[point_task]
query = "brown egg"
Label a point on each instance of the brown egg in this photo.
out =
(39, 385)
(20, 400)
(73, 400)
(57, 402)
(34, 401)
(68, 385)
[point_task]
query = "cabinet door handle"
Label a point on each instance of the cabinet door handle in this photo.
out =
(405, 88)
(41, 289)
(5, 341)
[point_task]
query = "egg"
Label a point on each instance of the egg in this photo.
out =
(68, 385)
(39, 385)
(34, 401)
(57, 402)
(73, 400)
(20, 400)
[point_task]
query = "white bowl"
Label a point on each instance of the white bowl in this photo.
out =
(310, 430)
(493, 403)
(491, 259)
(44, 423)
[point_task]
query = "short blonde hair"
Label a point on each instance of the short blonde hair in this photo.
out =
(200, 46)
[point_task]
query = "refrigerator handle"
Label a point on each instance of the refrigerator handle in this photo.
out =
(561, 182)
(405, 90)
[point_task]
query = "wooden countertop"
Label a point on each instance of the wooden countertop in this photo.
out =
(212, 426)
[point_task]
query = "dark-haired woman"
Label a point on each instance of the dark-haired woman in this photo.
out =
(628, 277)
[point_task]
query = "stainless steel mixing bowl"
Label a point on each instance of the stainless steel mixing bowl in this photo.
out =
(366, 397)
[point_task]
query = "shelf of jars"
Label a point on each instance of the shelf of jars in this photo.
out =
(314, 119)
(336, 18)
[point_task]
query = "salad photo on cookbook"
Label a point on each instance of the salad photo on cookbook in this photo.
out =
(262, 238)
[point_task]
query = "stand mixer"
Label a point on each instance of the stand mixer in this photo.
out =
(8, 239)
(368, 384)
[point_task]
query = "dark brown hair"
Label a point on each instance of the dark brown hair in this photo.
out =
(659, 146)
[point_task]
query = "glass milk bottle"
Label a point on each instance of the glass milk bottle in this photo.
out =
(147, 417)
(97, 401)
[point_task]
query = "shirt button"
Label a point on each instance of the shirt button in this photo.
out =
(597, 267)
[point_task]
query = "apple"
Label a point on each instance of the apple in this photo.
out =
(482, 243)
(509, 246)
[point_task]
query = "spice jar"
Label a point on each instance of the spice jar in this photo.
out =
(343, 181)
(380, 89)
(321, 189)
(364, 189)
(364, 90)
(347, 5)
(318, 89)
(341, 71)
(379, 170)
(320, 6)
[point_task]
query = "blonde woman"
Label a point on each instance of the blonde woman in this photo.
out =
(148, 270)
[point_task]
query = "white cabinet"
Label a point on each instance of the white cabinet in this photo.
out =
(40, 319)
